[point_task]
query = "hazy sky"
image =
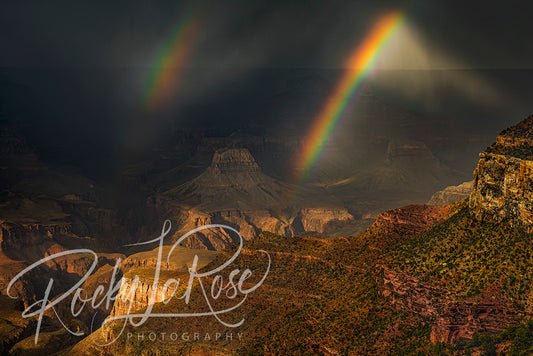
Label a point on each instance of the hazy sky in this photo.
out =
(236, 34)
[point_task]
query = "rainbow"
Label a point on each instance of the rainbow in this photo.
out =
(165, 74)
(359, 64)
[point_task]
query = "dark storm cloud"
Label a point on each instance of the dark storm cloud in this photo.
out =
(252, 33)
(234, 34)
(253, 63)
(488, 34)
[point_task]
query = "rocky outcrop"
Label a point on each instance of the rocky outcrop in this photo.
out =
(141, 265)
(410, 220)
(135, 295)
(503, 179)
(461, 320)
(211, 239)
(22, 244)
(13, 327)
(88, 317)
(451, 319)
(232, 181)
(516, 141)
(452, 194)
(320, 219)
(137, 284)
(407, 293)
(180, 259)
(19, 236)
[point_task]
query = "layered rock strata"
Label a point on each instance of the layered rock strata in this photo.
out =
(234, 191)
(452, 194)
(503, 178)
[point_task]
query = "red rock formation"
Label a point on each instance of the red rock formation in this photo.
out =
(318, 219)
(410, 220)
(450, 318)
(461, 320)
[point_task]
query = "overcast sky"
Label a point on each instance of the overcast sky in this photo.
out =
(478, 34)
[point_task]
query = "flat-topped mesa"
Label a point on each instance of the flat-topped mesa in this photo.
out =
(503, 179)
(234, 160)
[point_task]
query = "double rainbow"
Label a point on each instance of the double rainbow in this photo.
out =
(165, 74)
(360, 63)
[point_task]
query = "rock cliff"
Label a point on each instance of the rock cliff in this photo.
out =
(452, 194)
(141, 266)
(503, 178)
(23, 243)
(318, 219)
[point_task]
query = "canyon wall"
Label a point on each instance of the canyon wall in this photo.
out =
(503, 179)
(452, 194)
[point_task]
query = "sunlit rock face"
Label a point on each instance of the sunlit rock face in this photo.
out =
(503, 179)
(137, 287)
(318, 219)
(452, 194)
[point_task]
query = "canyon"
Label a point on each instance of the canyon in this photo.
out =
(403, 282)
(233, 190)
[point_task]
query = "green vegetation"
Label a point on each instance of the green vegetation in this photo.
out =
(466, 257)
(325, 295)
(517, 340)
(312, 301)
